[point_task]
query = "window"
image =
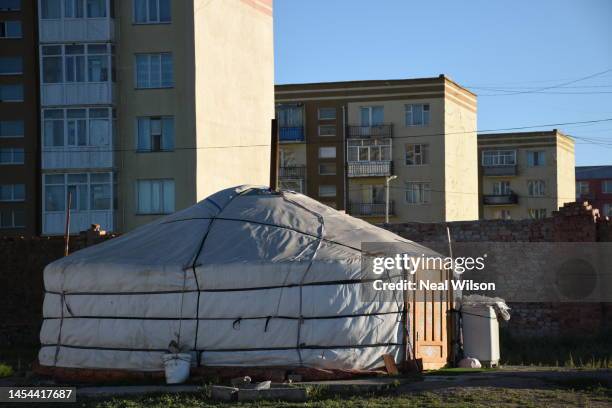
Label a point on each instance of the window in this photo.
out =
(74, 9)
(417, 154)
(96, 8)
(418, 193)
(499, 158)
(11, 65)
(77, 127)
(327, 169)
(327, 130)
(372, 115)
(50, 9)
(536, 159)
(502, 214)
(327, 190)
(501, 188)
(606, 186)
(11, 93)
(154, 71)
(155, 134)
(77, 63)
(327, 113)
(582, 187)
(12, 218)
(12, 156)
(607, 210)
(12, 192)
(151, 11)
(89, 192)
(10, 29)
(10, 5)
(155, 196)
(369, 150)
(417, 114)
(327, 152)
(536, 188)
(11, 128)
(292, 185)
(537, 213)
(290, 116)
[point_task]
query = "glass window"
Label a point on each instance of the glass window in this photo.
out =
(537, 213)
(327, 152)
(327, 113)
(12, 192)
(499, 158)
(11, 128)
(52, 64)
(152, 11)
(53, 127)
(155, 196)
(417, 114)
(74, 63)
(76, 126)
(369, 150)
(327, 190)
(535, 159)
(73, 9)
(417, 154)
(12, 218)
(327, 130)
(12, 155)
(154, 71)
(155, 134)
(96, 8)
(100, 191)
(582, 187)
(50, 9)
(11, 93)
(501, 188)
(54, 193)
(372, 115)
(100, 127)
(607, 210)
(10, 29)
(418, 193)
(10, 5)
(11, 65)
(327, 169)
(606, 186)
(536, 188)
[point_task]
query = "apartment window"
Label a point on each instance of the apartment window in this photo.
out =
(155, 196)
(606, 186)
(89, 192)
(12, 192)
(11, 128)
(11, 65)
(327, 113)
(12, 156)
(151, 11)
(501, 188)
(499, 158)
(607, 210)
(77, 127)
(291, 185)
(369, 150)
(154, 71)
(50, 9)
(372, 115)
(417, 154)
(10, 29)
(12, 218)
(502, 214)
(327, 190)
(10, 5)
(327, 152)
(536, 188)
(327, 169)
(536, 159)
(417, 114)
(582, 187)
(327, 130)
(155, 134)
(418, 193)
(77, 63)
(11, 93)
(537, 213)
(96, 8)
(290, 116)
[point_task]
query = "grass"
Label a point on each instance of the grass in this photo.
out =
(585, 351)
(5, 370)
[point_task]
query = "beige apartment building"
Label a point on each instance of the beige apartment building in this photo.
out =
(525, 175)
(149, 106)
(342, 141)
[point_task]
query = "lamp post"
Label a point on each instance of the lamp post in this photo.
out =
(387, 180)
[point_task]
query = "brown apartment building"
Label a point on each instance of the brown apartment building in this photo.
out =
(19, 131)
(341, 142)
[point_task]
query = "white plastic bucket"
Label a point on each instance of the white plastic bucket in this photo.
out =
(177, 367)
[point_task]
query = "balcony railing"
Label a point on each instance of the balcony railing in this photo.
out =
(370, 209)
(291, 134)
(500, 199)
(504, 170)
(361, 132)
(293, 172)
(370, 169)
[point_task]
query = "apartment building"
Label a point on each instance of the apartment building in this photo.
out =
(139, 102)
(525, 175)
(19, 125)
(341, 142)
(594, 184)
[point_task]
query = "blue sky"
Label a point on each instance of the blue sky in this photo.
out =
(493, 47)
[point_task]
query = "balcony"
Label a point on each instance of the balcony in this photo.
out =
(501, 199)
(291, 134)
(364, 132)
(370, 209)
(81, 157)
(78, 93)
(76, 30)
(54, 222)
(370, 169)
(292, 172)
(499, 171)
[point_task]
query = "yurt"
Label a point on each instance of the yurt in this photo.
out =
(247, 278)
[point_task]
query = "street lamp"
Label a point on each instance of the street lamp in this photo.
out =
(387, 180)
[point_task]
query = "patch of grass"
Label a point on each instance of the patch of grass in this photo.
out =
(458, 371)
(5, 370)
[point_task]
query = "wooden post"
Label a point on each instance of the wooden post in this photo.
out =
(274, 156)
(67, 227)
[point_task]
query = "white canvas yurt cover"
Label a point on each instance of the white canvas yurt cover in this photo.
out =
(246, 277)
